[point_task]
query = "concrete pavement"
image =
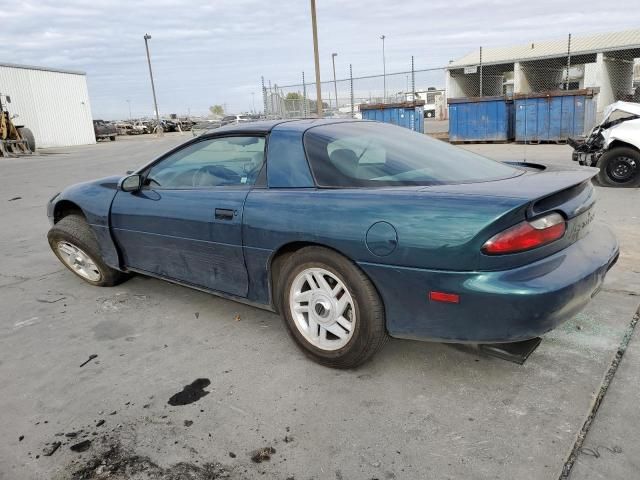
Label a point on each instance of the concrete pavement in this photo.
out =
(418, 410)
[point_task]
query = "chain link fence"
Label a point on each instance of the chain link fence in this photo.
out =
(294, 100)
(600, 69)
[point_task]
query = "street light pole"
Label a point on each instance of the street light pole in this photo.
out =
(147, 37)
(384, 71)
(335, 83)
(253, 102)
(316, 58)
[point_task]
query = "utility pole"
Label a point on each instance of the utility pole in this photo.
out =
(316, 58)
(335, 83)
(384, 71)
(159, 129)
(253, 102)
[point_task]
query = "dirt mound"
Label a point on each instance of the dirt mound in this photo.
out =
(115, 463)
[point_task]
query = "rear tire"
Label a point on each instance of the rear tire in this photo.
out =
(619, 167)
(340, 325)
(75, 245)
(27, 135)
(112, 138)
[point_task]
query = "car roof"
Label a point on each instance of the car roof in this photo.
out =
(265, 126)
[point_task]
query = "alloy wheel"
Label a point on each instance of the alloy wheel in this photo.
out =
(78, 261)
(322, 309)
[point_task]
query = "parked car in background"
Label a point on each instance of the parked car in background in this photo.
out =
(236, 119)
(140, 128)
(186, 124)
(124, 128)
(613, 146)
(104, 130)
(351, 230)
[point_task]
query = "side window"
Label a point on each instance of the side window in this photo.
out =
(210, 163)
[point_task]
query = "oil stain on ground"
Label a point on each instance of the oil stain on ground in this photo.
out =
(190, 393)
(112, 330)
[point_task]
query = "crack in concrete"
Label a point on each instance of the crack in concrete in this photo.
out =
(619, 290)
(26, 279)
(606, 382)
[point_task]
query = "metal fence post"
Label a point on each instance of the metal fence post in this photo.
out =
(481, 71)
(304, 97)
(353, 114)
(264, 98)
(270, 99)
(413, 81)
(568, 62)
(278, 101)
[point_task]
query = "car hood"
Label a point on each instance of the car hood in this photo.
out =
(619, 110)
(105, 182)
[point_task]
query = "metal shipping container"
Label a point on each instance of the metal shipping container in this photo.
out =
(405, 114)
(554, 116)
(480, 119)
(53, 104)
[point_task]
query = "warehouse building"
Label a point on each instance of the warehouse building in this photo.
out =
(52, 103)
(603, 62)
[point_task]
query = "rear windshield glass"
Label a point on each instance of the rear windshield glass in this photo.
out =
(365, 154)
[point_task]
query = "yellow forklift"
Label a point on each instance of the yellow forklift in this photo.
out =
(14, 139)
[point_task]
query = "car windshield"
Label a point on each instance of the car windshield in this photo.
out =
(365, 154)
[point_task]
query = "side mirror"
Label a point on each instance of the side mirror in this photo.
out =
(131, 183)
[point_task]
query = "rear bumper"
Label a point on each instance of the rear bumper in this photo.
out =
(496, 306)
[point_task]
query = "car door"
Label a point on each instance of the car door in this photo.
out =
(185, 224)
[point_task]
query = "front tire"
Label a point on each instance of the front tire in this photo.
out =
(619, 167)
(112, 138)
(331, 309)
(75, 245)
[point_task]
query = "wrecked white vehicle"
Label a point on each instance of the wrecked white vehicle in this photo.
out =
(613, 146)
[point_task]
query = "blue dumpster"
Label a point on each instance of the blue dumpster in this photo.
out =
(405, 114)
(554, 116)
(480, 119)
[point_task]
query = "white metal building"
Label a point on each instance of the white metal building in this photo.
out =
(53, 104)
(605, 61)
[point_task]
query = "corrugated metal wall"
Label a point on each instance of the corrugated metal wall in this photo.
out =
(54, 105)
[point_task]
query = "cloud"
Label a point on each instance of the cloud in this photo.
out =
(216, 51)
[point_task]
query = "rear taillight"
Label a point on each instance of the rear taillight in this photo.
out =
(526, 235)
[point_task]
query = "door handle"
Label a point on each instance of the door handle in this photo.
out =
(224, 214)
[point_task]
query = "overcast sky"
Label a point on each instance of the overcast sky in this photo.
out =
(208, 52)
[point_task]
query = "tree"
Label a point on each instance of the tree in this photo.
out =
(293, 96)
(217, 110)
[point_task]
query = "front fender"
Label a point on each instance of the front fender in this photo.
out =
(626, 132)
(94, 199)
